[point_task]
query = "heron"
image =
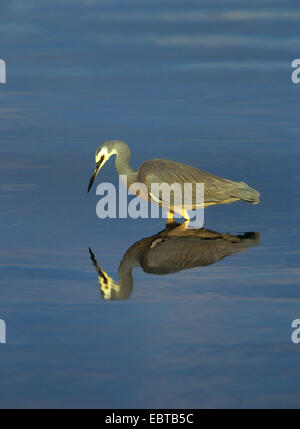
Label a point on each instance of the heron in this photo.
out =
(170, 251)
(217, 190)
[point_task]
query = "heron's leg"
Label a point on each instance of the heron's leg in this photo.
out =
(170, 217)
(185, 215)
(186, 222)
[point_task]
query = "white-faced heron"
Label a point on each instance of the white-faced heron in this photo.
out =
(217, 190)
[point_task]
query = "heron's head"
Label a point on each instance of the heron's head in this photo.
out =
(103, 153)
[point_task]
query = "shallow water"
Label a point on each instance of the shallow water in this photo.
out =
(207, 85)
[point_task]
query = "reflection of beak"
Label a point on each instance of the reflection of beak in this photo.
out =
(95, 263)
(110, 290)
(95, 172)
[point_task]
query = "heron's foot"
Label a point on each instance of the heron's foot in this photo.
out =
(185, 215)
(170, 221)
(182, 227)
(170, 217)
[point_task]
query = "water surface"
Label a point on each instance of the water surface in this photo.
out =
(205, 84)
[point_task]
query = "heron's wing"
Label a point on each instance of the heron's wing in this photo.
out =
(216, 189)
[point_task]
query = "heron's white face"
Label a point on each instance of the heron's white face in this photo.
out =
(101, 157)
(105, 153)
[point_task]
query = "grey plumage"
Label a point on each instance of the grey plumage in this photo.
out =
(216, 189)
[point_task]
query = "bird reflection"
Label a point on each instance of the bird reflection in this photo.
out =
(172, 250)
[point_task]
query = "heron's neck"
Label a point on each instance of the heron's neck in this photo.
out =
(123, 166)
(129, 261)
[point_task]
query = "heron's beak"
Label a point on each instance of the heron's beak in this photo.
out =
(95, 172)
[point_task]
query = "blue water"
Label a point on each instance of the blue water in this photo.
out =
(207, 83)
